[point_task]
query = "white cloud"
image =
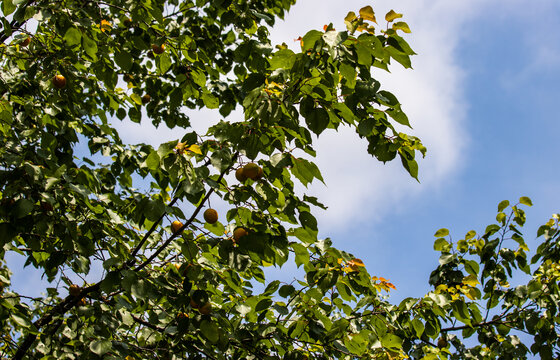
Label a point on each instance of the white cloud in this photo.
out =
(359, 188)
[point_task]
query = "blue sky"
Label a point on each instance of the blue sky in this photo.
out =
(482, 97)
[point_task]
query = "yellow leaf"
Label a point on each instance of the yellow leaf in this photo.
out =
(401, 25)
(471, 280)
(367, 14)
(105, 25)
(351, 16)
(195, 149)
(392, 15)
(354, 264)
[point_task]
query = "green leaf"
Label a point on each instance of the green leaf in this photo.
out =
(73, 37)
(441, 232)
(163, 63)
(311, 38)
(153, 161)
(123, 59)
(401, 26)
(317, 120)
(100, 347)
(367, 13)
(7, 8)
(21, 208)
(210, 331)
(210, 101)
(283, 59)
(525, 201)
(392, 15)
(90, 47)
(334, 38)
(502, 205)
(302, 255)
(441, 245)
(348, 72)
(21, 321)
(391, 341)
(264, 304)
(286, 291)
(136, 98)
(418, 326)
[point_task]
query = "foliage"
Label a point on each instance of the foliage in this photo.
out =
(76, 201)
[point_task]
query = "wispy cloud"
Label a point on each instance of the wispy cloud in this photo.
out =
(358, 188)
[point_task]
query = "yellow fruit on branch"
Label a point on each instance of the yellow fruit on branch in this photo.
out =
(239, 233)
(205, 309)
(194, 304)
(240, 175)
(442, 342)
(25, 42)
(251, 171)
(59, 81)
(74, 290)
(260, 173)
(82, 302)
(158, 49)
(210, 216)
(176, 226)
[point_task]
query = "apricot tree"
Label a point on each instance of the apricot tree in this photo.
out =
(77, 202)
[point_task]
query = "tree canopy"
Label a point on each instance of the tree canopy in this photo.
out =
(174, 279)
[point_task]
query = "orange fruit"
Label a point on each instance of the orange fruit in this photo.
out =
(251, 171)
(175, 226)
(260, 173)
(205, 309)
(59, 81)
(240, 175)
(210, 216)
(158, 49)
(146, 98)
(25, 42)
(74, 290)
(82, 302)
(194, 305)
(239, 233)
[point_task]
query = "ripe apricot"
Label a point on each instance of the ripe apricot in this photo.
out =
(175, 226)
(260, 173)
(194, 304)
(240, 175)
(25, 42)
(205, 309)
(158, 49)
(239, 233)
(211, 216)
(146, 98)
(74, 290)
(251, 171)
(59, 81)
